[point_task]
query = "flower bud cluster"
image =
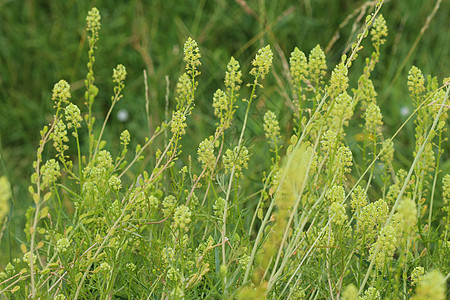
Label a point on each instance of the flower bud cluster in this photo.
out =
(205, 153)
(271, 128)
(236, 158)
(192, 57)
(50, 172)
(262, 62)
(73, 116)
(181, 218)
(386, 244)
(317, 66)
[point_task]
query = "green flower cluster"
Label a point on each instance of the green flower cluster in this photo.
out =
(181, 218)
(125, 138)
(446, 189)
(416, 83)
(93, 21)
(104, 160)
(387, 152)
(341, 112)
(218, 208)
(73, 117)
(153, 202)
(169, 203)
(371, 294)
(262, 62)
(220, 104)
(374, 119)
(336, 194)
(178, 124)
(60, 139)
(298, 68)
(62, 245)
(50, 173)
(183, 91)
(372, 217)
(386, 244)
(205, 153)
(119, 75)
(299, 75)
(224, 102)
(97, 177)
(336, 211)
(233, 76)
(237, 159)
(417, 275)
(394, 189)
(343, 163)
(125, 141)
(61, 93)
(104, 267)
(365, 92)
(27, 257)
(317, 66)
(115, 183)
(359, 199)
(192, 57)
(271, 128)
(5, 194)
(328, 142)
(407, 215)
(339, 81)
(379, 32)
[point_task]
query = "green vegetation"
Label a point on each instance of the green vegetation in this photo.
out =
(273, 177)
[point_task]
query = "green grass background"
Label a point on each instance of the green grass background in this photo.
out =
(42, 42)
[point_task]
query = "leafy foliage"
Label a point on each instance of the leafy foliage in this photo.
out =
(101, 226)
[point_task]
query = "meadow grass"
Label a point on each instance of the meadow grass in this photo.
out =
(317, 209)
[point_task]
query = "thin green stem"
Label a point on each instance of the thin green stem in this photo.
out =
(239, 146)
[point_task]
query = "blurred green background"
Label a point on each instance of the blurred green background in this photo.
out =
(42, 42)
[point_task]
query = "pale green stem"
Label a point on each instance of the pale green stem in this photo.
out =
(239, 146)
(435, 180)
(38, 204)
(104, 124)
(79, 157)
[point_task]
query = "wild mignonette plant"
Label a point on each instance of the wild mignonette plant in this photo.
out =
(187, 229)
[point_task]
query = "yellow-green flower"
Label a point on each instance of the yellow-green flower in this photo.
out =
(233, 75)
(192, 57)
(262, 62)
(50, 172)
(238, 160)
(271, 128)
(317, 66)
(5, 194)
(61, 92)
(182, 217)
(93, 20)
(205, 153)
(73, 116)
(119, 74)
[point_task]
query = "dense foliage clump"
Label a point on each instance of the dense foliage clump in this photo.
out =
(328, 216)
